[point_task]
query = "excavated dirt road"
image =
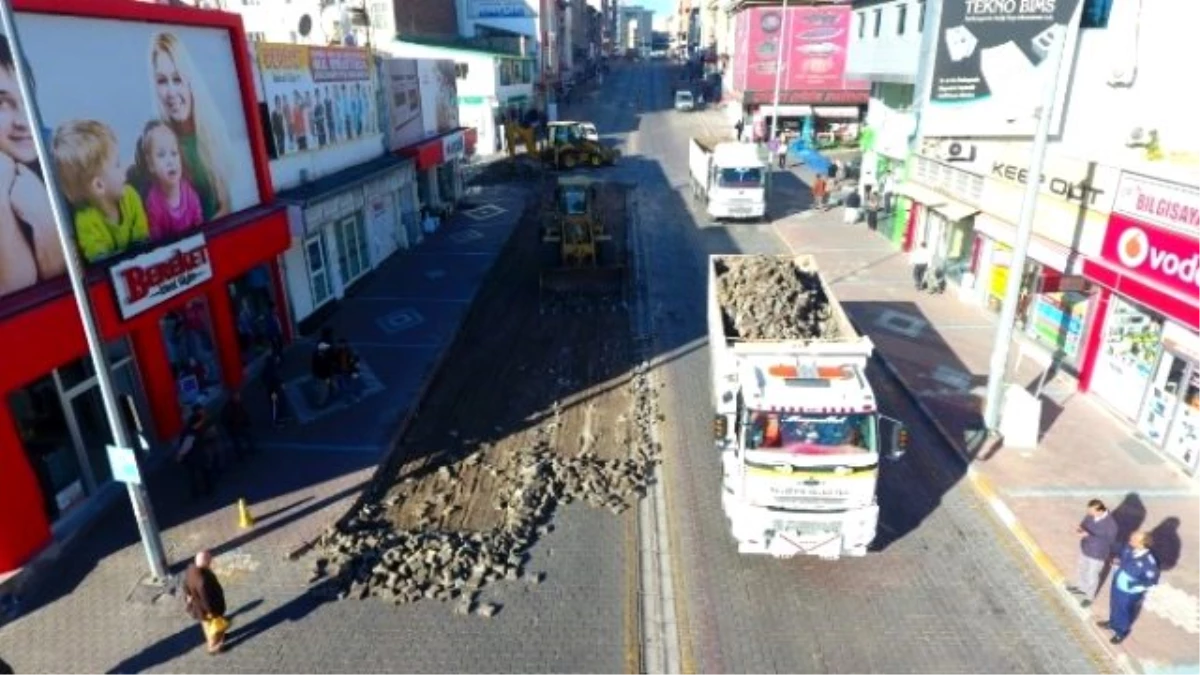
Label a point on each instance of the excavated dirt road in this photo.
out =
(529, 410)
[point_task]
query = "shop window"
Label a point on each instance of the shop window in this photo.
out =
(318, 270)
(921, 16)
(901, 19)
(77, 372)
(1057, 320)
(1129, 349)
(878, 23)
(862, 25)
(446, 180)
(192, 353)
(259, 326)
(460, 71)
(42, 425)
(353, 258)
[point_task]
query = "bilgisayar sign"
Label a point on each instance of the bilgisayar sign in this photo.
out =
(151, 278)
(993, 59)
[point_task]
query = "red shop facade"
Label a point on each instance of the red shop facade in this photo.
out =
(1143, 356)
(181, 259)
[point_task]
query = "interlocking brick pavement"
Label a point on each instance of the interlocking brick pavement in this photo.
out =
(1084, 451)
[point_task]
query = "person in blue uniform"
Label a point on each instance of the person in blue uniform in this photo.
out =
(1137, 571)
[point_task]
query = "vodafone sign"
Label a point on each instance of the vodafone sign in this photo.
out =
(1168, 258)
(1159, 202)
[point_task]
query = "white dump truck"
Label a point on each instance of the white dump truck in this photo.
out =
(797, 426)
(729, 177)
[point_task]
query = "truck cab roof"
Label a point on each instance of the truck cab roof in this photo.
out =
(734, 154)
(810, 386)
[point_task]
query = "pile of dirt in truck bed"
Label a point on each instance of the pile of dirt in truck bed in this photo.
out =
(771, 298)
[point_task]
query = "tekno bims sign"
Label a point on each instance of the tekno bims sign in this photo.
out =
(151, 278)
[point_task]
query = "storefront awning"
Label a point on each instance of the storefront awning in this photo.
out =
(921, 194)
(954, 210)
(785, 111)
(340, 180)
(836, 112)
(1046, 252)
(436, 150)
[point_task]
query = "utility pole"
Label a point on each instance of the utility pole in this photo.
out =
(779, 49)
(998, 367)
(142, 510)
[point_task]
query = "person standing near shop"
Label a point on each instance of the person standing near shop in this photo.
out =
(346, 368)
(191, 455)
(205, 601)
(920, 259)
(323, 366)
(1097, 541)
(851, 207)
(1137, 572)
(873, 211)
(236, 420)
(819, 190)
(738, 128)
(773, 147)
(275, 394)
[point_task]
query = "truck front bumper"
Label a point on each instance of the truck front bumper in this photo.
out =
(736, 212)
(787, 533)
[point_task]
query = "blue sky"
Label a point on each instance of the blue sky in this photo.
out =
(660, 7)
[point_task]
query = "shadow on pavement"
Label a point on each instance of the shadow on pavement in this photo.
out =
(175, 645)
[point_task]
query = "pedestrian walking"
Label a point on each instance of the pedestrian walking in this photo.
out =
(920, 259)
(773, 147)
(851, 207)
(208, 439)
(273, 384)
(346, 368)
(323, 367)
(833, 172)
(1097, 543)
(205, 601)
(781, 151)
(1137, 572)
(873, 211)
(191, 456)
(819, 189)
(236, 420)
(739, 127)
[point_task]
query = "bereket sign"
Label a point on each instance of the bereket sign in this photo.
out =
(149, 279)
(1167, 258)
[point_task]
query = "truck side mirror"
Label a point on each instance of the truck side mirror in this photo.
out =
(898, 438)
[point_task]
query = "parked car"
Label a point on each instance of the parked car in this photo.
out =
(684, 101)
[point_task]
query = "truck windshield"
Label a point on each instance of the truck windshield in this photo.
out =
(740, 178)
(812, 434)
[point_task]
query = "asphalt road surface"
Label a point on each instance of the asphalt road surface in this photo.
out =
(946, 591)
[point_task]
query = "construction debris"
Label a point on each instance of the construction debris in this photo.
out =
(773, 298)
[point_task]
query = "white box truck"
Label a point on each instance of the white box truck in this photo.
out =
(729, 177)
(796, 423)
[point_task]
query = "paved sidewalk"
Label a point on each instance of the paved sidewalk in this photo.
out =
(939, 348)
(87, 611)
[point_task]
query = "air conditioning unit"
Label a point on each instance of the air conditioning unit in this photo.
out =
(956, 151)
(1140, 138)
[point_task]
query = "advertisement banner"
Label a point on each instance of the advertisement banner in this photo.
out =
(317, 97)
(439, 95)
(402, 91)
(1166, 257)
(147, 131)
(814, 41)
(501, 9)
(993, 60)
(1170, 205)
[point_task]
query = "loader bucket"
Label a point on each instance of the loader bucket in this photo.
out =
(583, 281)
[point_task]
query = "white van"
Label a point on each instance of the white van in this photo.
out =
(684, 101)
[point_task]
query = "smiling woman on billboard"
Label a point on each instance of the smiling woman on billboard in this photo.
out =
(182, 102)
(29, 249)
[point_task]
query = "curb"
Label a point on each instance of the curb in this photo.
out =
(983, 487)
(410, 416)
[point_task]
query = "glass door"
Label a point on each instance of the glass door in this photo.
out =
(1183, 440)
(318, 270)
(353, 256)
(1163, 397)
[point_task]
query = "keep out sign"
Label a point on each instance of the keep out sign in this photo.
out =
(1168, 258)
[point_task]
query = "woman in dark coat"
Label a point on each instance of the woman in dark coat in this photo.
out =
(206, 601)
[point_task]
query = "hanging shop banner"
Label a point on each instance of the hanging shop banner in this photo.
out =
(152, 278)
(403, 95)
(1170, 205)
(439, 95)
(317, 97)
(453, 146)
(1168, 258)
(993, 59)
(163, 151)
(814, 41)
(501, 9)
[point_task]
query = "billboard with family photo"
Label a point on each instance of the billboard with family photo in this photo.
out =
(145, 126)
(439, 95)
(317, 97)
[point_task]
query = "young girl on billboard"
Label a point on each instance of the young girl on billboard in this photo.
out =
(172, 203)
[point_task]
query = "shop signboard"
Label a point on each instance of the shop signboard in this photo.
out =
(992, 60)
(1158, 202)
(402, 91)
(1168, 258)
(146, 128)
(453, 146)
(501, 9)
(439, 96)
(149, 279)
(814, 40)
(317, 97)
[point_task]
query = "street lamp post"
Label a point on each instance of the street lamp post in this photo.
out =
(998, 367)
(779, 47)
(142, 510)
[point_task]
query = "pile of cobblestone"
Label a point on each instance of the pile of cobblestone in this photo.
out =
(773, 298)
(365, 555)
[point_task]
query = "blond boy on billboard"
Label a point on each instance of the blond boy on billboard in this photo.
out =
(109, 216)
